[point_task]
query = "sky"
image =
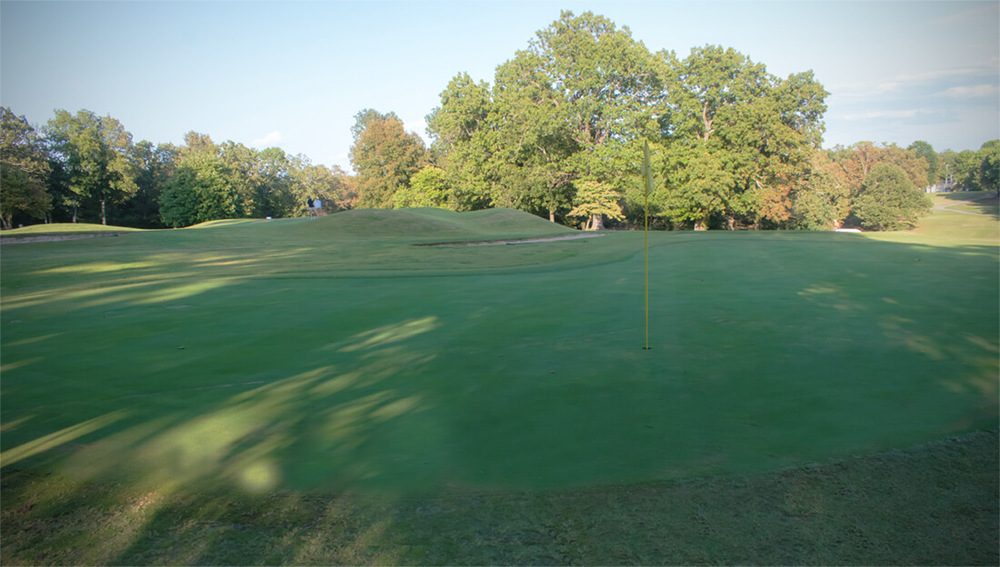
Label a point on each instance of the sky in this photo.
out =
(295, 74)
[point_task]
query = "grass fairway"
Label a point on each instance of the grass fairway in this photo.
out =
(323, 391)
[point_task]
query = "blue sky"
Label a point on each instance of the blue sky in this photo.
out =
(294, 74)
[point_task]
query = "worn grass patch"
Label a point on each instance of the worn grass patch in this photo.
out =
(934, 504)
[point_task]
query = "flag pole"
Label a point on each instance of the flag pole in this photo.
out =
(647, 181)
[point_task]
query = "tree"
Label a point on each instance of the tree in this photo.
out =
(154, 166)
(858, 161)
(384, 157)
(272, 184)
(574, 105)
(888, 200)
(199, 191)
(823, 197)
(207, 184)
(332, 186)
(924, 150)
(595, 200)
(94, 151)
(528, 142)
(462, 143)
(427, 188)
(746, 135)
(988, 172)
(597, 92)
(23, 170)
(698, 183)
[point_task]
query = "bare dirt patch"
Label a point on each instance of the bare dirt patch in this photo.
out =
(21, 239)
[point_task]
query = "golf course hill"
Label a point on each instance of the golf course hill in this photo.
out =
(426, 224)
(435, 224)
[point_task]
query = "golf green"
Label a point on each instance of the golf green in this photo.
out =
(331, 353)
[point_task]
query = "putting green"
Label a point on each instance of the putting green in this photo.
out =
(319, 354)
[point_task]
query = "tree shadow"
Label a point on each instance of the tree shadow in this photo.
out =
(981, 203)
(763, 357)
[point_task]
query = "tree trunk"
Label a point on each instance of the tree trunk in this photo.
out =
(730, 223)
(104, 218)
(597, 222)
(700, 224)
(552, 216)
(74, 213)
(706, 121)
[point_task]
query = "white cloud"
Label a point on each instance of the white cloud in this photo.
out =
(908, 82)
(891, 114)
(977, 91)
(269, 140)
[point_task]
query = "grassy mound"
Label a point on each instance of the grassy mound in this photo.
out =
(418, 223)
(63, 228)
(432, 224)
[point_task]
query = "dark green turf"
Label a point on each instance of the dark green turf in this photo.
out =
(332, 353)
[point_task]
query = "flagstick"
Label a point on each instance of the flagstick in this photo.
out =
(645, 237)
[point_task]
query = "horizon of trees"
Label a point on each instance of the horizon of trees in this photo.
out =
(559, 134)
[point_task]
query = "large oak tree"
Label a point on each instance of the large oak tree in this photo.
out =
(740, 139)
(93, 153)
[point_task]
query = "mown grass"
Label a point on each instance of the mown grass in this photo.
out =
(934, 504)
(318, 391)
(948, 224)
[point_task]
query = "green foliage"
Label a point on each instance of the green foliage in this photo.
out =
(570, 106)
(212, 182)
(384, 157)
(740, 138)
(972, 171)
(568, 114)
(202, 189)
(154, 166)
(924, 150)
(94, 152)
(988, 172)
(332, 186)
(698, 183)
(888, 200)
(595, 200)
(23, 170)
(427, 188)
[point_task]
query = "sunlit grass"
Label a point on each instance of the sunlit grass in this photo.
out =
(61, 228)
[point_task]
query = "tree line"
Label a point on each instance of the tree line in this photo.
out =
(84, 167)
(559, 134)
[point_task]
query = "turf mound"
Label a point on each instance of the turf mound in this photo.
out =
(62, 228)
(436, 224)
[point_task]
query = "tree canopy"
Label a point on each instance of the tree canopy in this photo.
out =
(93, 153)
(384, 157)
(888, 199)
(24, 170)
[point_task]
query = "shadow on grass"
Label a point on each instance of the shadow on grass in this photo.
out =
(931, 504)
(369, 444)
(983, 203)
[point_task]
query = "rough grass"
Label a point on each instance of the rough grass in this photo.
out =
(934, 504)
(320, 391)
